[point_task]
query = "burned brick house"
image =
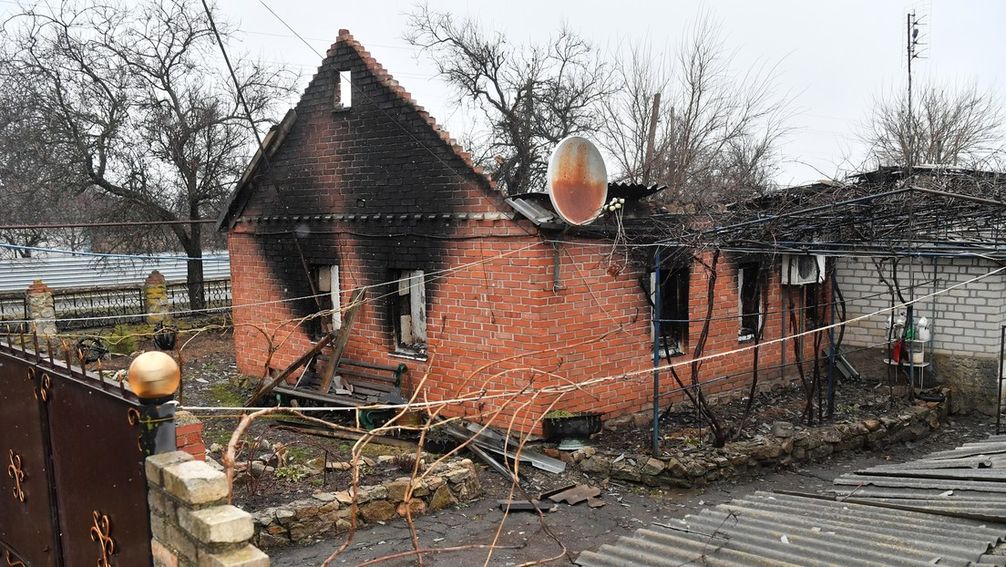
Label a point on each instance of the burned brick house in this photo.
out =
(359, 189)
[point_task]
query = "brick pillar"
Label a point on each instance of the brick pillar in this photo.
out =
(155, 294)
(190, 520)
(41, 309)
(189, 435)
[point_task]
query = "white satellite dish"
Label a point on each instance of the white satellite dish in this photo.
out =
(577, 181)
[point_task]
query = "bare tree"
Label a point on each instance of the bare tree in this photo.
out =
(627, 114)
(130, 103)
(530, 96)
(716, 133)
(949, 126)
(27, 196)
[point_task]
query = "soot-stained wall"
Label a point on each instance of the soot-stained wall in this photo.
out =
(382, 155)
(498, 327)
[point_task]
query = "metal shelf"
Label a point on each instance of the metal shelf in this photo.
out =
(905, 364)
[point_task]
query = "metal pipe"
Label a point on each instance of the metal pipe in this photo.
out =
(958, 196)
(806, 211)
(999, 382)
(657, 303)
(831, 340)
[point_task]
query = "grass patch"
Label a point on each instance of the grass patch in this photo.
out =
(222, 437)
(296, 455)
(226, 394)
(123, 339)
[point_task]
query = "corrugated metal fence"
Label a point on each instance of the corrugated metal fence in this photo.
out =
(86, 272)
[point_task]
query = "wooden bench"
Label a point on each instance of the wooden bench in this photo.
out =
(357, 384)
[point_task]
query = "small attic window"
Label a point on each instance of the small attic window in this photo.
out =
(343, 97)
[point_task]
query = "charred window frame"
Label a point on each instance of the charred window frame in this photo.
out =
(326, 282)
(749, 300)
(675, 284)
(813, 314)
(408, 312)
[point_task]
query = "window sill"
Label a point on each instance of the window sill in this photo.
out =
(408, 355)
(745, 339)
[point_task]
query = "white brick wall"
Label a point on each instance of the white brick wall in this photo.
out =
(965, 320)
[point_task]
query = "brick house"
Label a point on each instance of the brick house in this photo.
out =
(359, 187)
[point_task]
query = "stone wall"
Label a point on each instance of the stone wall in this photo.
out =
(190, 520)
(974, 380)
(786, 445)
(329, 513)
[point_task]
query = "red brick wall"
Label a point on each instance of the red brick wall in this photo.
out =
(189, 438)
(495, 324)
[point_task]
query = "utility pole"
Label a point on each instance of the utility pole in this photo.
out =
(912, 44)
(651, 137)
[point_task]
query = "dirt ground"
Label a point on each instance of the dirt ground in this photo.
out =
(580, 527)
(211, 379)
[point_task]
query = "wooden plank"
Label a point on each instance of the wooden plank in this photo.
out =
(342, 339)
(342, 434)
(417, 304)
(305, 394)
(302, 360)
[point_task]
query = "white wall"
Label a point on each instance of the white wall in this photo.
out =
(966, 320)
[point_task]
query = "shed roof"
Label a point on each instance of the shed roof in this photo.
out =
(959, 519)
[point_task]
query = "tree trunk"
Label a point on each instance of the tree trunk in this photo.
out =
(194, 268)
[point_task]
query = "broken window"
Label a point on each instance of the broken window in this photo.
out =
(816, 304)
(343, 97)
(409, 312)
(674, 286)
(749, 300)
(326, 284)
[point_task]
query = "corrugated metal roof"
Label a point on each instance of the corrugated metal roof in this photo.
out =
(87, 272)
(918, 513)
(969, 481)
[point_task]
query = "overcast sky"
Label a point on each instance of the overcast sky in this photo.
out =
(833, 57)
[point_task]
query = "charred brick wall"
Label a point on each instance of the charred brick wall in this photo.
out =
(497, 326)
(495, 322)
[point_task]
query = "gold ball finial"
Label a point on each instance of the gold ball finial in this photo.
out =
(154, 375)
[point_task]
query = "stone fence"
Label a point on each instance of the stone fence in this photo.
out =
(191, 523)
(701, 465)
(329, 513)
(53, 309)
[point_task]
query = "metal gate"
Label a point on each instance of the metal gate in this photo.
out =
(74, 492)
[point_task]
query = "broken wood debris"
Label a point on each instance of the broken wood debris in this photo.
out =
(341, 339)
(319, 431)
(574, 494)
(490, 440)
(301, 361)
(525, 505)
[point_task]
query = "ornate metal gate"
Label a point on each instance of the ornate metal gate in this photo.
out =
(74, 492)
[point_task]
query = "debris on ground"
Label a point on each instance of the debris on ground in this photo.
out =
(574, 494)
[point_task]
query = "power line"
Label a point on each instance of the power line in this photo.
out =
(274, 34)
(103, 224)
(485, 394)
(362, 93)
(110, 255)
(431, 276)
